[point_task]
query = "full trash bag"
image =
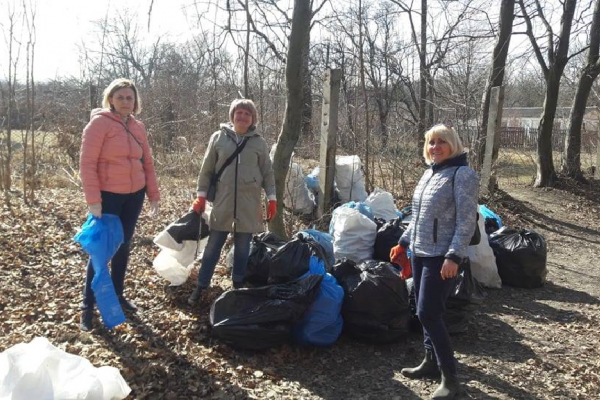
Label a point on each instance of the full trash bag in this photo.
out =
(101, 238)
(376, 307)
(354, 235)
(180, 246)
(39, 370)
(262, 249)
(382, 204)
(325, 240)
(322, 324)
(467, 289)
(483, 261)
(349, 178)
(387, 237)
(292, 260)
(521, 257)
(259, 318)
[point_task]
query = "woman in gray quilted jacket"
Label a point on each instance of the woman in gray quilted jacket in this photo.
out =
(444, 213)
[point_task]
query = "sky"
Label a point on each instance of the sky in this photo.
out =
(63, 25)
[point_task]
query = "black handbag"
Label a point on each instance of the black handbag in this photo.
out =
(211, 193)
(476, 238)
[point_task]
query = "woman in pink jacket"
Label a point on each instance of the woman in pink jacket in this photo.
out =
(116, 170)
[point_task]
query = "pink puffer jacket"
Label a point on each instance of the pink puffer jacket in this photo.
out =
(111, 160)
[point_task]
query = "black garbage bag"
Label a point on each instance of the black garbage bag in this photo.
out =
(467, 289)
(491, 225)
(520, 256)
(375, 305)
(292, 260)
(387, 237)
(262, 249)
(259, 318)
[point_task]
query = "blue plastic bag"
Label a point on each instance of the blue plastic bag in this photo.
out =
(487, 213)
(322, 324)
(325, 240)
(362, 207)
(100, 238)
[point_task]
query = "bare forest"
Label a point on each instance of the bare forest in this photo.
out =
(523, 69)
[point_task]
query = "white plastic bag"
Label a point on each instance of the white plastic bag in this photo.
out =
(38, 370)
(176, 266)
(296, 196)
(353, 235)
(382, 204)
(483, 261)
(349, 179)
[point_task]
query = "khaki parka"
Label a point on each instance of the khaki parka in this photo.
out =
(238, 197)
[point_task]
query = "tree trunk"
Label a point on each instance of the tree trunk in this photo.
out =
(423, 72)
(571, 165)
(307, 107)
(496, 77)
(292, 122)
(546, 175)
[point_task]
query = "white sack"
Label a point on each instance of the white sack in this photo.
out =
(382, 204)
(353, 235)
(349, 179)
(483, 261)
(296, 196)
(38, 370)
(176, 266)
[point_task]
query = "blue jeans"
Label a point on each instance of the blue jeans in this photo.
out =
(431, 293)
(212, 252)
(128, 207)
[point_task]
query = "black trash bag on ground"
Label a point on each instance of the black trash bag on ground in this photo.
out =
(292, 260)
(491, 225)
(375, 305)
(379, 222)
(387, 237)
(187, 228)
(520, 256)
(259, 318)
(262, 249)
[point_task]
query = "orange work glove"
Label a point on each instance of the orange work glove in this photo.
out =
(199, 205)
(398, 256)
(271, 210)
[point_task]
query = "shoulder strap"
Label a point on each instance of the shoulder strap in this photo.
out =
(237, 151)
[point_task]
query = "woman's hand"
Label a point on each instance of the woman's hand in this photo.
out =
(154, 208)
(449, 269)
(199, 205)
(271, 210)
(95, 209)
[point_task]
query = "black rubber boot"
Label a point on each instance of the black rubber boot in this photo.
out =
(195, 296)
(449, 387)
(427, 369)
(85, 322)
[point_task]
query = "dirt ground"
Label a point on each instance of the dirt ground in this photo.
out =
(519, 344)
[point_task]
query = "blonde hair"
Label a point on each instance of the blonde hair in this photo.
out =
(119, 84)
(447, 134)
(245, 104)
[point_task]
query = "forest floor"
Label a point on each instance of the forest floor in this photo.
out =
(519, 344)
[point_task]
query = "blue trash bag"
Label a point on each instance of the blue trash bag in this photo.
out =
(312, 182)
(325, 240)
(362, 207)
(493, 222)
(100, 238)
(322, 324)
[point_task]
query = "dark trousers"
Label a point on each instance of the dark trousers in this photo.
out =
(431, 293)
(128, 207)
(212, 252)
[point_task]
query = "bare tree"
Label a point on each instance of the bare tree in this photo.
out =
(552, 68)
(571, 165)
(496, 76)
(292, 122)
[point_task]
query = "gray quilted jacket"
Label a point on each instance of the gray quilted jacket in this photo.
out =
(444, 212)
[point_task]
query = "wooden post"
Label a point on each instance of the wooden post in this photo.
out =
(493, 129)
(329, 122)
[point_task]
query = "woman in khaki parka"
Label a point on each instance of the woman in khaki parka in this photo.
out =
(237, 206)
